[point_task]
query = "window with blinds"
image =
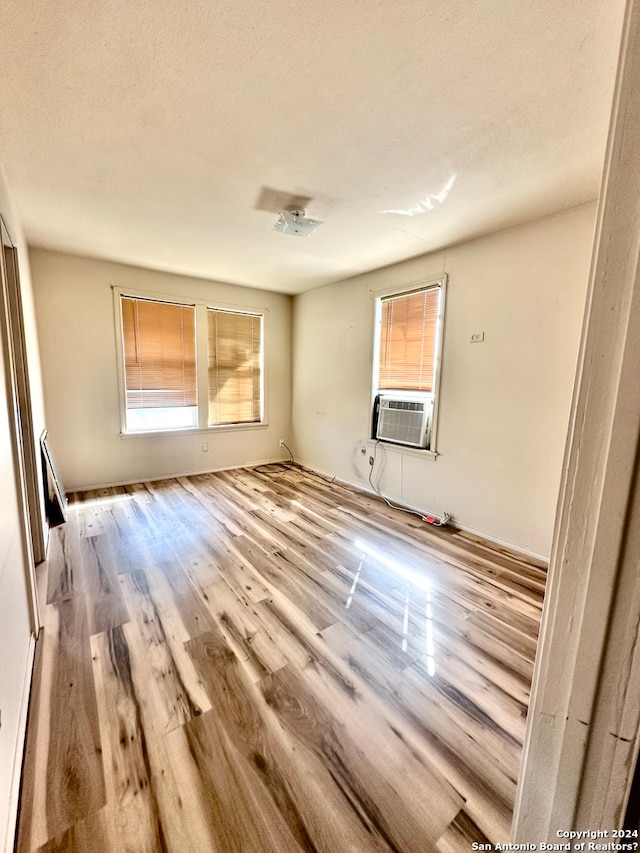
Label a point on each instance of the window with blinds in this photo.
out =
(409, 327)
(406, 368)
(235, 367)
(159, 342)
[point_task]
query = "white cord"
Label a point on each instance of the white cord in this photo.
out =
(446, 517)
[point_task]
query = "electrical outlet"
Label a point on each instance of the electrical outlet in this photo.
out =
(204, 447)
(363, 450)
(281, 442)
(477, 337)
(371, 460)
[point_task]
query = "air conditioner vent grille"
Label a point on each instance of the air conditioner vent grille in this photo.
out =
(404, 421)
(406, 405)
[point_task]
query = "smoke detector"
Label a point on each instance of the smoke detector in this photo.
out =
(295, 222)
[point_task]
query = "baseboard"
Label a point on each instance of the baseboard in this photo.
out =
(14, 796)
(112, 485)
(503, 543)
(460, 524)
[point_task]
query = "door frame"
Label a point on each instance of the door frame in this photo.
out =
(582, 740)
(27, 472)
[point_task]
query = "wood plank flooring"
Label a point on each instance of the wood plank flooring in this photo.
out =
(252, 662)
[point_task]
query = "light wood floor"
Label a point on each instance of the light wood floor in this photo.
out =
(268, 662)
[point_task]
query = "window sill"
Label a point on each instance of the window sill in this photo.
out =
(405, 450)
(193, 431)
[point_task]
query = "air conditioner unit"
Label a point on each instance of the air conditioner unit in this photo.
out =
(404, 420)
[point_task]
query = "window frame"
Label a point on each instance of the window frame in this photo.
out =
(201, 307)
(406, 289)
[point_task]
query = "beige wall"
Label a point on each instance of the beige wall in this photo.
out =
(504, 403)
(14, 595)
(74, 305)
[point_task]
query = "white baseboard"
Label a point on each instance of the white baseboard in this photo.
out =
(14, 795)
(132, 482)
(511, 546)
(504, 543)
(460, 524)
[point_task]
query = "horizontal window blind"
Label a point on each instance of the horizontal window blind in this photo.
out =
(408, 334)
(234, 367)
(159, 354)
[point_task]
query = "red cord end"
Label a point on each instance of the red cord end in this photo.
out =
(430, 519)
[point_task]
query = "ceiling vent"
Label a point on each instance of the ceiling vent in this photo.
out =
(273, 201)
(295, 222)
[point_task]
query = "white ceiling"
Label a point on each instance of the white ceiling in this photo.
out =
(145, 131)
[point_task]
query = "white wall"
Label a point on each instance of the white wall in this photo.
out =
(74, 306)
(504, 403)
(14, 596)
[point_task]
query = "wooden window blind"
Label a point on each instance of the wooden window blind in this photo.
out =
(408, 337)
(159, 354)
(234, 367)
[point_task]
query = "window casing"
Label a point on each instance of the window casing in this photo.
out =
(187, 366)
(408, 348)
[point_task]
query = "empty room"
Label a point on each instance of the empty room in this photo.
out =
(319, 422)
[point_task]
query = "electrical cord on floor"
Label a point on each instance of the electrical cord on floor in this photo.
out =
(319, 476)
(277, 467)
(446, 517)
(287, 465)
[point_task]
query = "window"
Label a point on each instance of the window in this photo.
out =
(159, 364)
(170, 351)
(234, 346)
(406, 369)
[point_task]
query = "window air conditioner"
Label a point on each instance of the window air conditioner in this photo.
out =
(404, 420)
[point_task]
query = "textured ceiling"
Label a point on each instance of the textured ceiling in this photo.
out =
(150, 132)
